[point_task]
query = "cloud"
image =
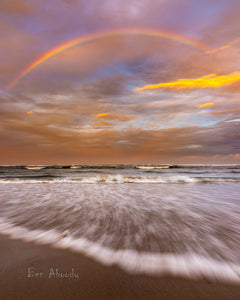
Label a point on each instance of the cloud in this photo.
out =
(208, 81)
(55, 137)
(69, 123)
(71, 2)
(224, 47)
(114, 116)
(106, 86)
(206, 104)
(227, 111)
(14, 7)
(110, 119)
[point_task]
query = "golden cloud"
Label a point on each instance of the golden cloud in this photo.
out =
(113, 116)
(205, 105)
(109, 119)
(104, 115)
(208, 81)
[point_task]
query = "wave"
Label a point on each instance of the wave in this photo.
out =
(12, 167)
(205, 166)
(152, 167)
(121, 179)
(30, 177)
(57, 167)
(91, 167)
(107, 167)
(189, 265)
(34, 168)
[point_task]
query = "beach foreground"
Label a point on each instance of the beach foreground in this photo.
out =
(90, 280)
(120, 232)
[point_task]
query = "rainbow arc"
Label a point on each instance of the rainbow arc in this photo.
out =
(105, 34)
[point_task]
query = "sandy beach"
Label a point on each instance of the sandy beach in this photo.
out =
(30, 271)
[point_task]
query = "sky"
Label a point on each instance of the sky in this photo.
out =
(123, 81)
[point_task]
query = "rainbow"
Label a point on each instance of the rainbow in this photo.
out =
(105, 34)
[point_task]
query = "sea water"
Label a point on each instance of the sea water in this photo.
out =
(154, 219)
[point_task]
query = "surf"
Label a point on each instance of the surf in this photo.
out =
(189, 265)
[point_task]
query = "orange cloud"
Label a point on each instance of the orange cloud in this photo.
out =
(205, 105)
(104, 115)
(109, 119)
(208, 81)
(29, 112)
(227, 46)
(100, 100)
(113, 116)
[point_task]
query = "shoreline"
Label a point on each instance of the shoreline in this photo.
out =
(26, 267)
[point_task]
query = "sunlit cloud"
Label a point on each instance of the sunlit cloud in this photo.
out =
(109, 119)
(29, 112)
(208, 81)
(103, 115)
(113, 116)
(205, 105)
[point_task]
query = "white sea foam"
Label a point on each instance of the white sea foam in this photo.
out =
(35, 167)
(152, 167)
(189, 265)
(125, 179)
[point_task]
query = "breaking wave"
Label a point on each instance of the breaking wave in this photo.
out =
(120, 179)
(189, 265)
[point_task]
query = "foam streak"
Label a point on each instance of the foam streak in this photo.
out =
(190, 265)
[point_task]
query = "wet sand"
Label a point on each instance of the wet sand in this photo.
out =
(29, 271)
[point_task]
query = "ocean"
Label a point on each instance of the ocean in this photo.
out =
(180, 220)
